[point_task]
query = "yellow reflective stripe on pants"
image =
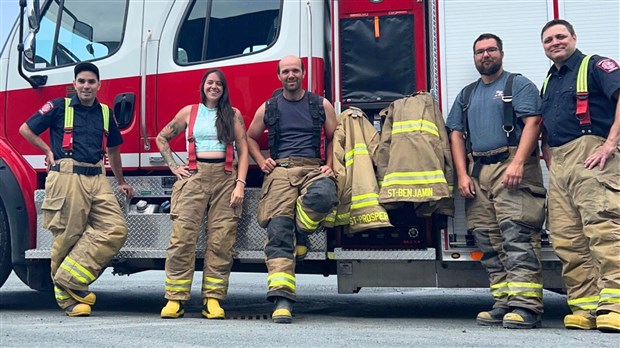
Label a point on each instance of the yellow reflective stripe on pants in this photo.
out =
(610, 295)
(77, 271)
(532, 290)
(209, 283)
(305, 219)
(60, 294)
(499, 289)
(584, 303)
(414, 178)
(365, 200)
(360, 149)
(180, 285)
(415, 126)
(281, 279)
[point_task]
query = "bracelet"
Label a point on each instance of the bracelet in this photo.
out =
(241, 181)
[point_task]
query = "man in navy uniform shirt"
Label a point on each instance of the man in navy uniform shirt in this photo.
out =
(581, 117)
(80, 208)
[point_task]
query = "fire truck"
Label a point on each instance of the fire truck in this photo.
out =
(363, 53)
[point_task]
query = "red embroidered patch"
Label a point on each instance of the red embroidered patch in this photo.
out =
(608, 65)
(46, 108)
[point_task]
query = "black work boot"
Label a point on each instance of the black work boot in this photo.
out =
(492, 317)
(282, 312)
(522, 318)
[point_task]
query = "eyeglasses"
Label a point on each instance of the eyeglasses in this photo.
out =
(489, 50)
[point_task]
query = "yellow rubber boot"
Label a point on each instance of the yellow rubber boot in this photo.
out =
(282, 313)
(78, 310)
(300, 252)
(609, 322)
(82, 296)
(173, 310)
(579, 322)
(212, 309)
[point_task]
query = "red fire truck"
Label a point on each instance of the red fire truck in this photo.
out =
(364, 53)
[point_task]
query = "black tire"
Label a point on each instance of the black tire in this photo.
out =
(6, 265)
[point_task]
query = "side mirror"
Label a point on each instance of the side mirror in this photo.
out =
(34, 13)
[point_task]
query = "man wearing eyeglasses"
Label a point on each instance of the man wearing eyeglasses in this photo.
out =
(494, 123)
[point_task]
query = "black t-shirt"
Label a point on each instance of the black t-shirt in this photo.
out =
(87, 128)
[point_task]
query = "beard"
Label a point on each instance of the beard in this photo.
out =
(488, 70)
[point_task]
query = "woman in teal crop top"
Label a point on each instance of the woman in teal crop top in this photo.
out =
(208, 189)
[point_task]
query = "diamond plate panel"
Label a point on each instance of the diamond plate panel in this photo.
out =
(391, 255)
(149, 233)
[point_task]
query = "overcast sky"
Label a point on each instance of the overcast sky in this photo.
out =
(8, 13)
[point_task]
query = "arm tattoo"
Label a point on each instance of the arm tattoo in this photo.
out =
(166, 153)
(240, 120)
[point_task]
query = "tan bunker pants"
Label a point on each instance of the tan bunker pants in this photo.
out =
(584, 224)
(85, 218)
(295, 196)
(506, 224)
(208, 189)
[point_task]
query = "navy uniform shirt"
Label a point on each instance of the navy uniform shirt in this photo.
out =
(559, 101)
(87, 128)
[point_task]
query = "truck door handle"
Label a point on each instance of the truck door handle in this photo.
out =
(123, 109)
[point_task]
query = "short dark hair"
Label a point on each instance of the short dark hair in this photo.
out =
(85, 66)
(558, 21)
(487, 36)
(300, 61)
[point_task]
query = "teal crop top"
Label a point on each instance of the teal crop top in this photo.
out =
(205, 132)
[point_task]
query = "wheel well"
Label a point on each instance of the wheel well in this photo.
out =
(16, 214)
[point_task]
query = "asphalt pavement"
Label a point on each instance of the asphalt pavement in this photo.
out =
(127, 315)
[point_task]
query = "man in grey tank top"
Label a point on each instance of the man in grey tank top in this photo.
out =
(299, 190)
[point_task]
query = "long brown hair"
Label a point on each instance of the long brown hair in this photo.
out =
(224, 121)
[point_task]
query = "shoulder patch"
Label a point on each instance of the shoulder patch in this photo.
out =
(608, 65)
(47, 107)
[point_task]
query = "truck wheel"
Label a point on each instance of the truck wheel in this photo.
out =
(5, 247)
(36, 275)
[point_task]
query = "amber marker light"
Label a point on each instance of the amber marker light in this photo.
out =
(476, 255)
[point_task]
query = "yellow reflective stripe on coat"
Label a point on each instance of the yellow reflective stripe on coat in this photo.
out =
(210, 283)
(365, 200)
(415, 178)
(610, 295)
(584, 303)
(415, 126)
(281, 279)
(60, 294)
(305, 219)
(77, 270)
(178, 285)
(359, 149)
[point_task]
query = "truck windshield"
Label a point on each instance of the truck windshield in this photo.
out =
(77, 32)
